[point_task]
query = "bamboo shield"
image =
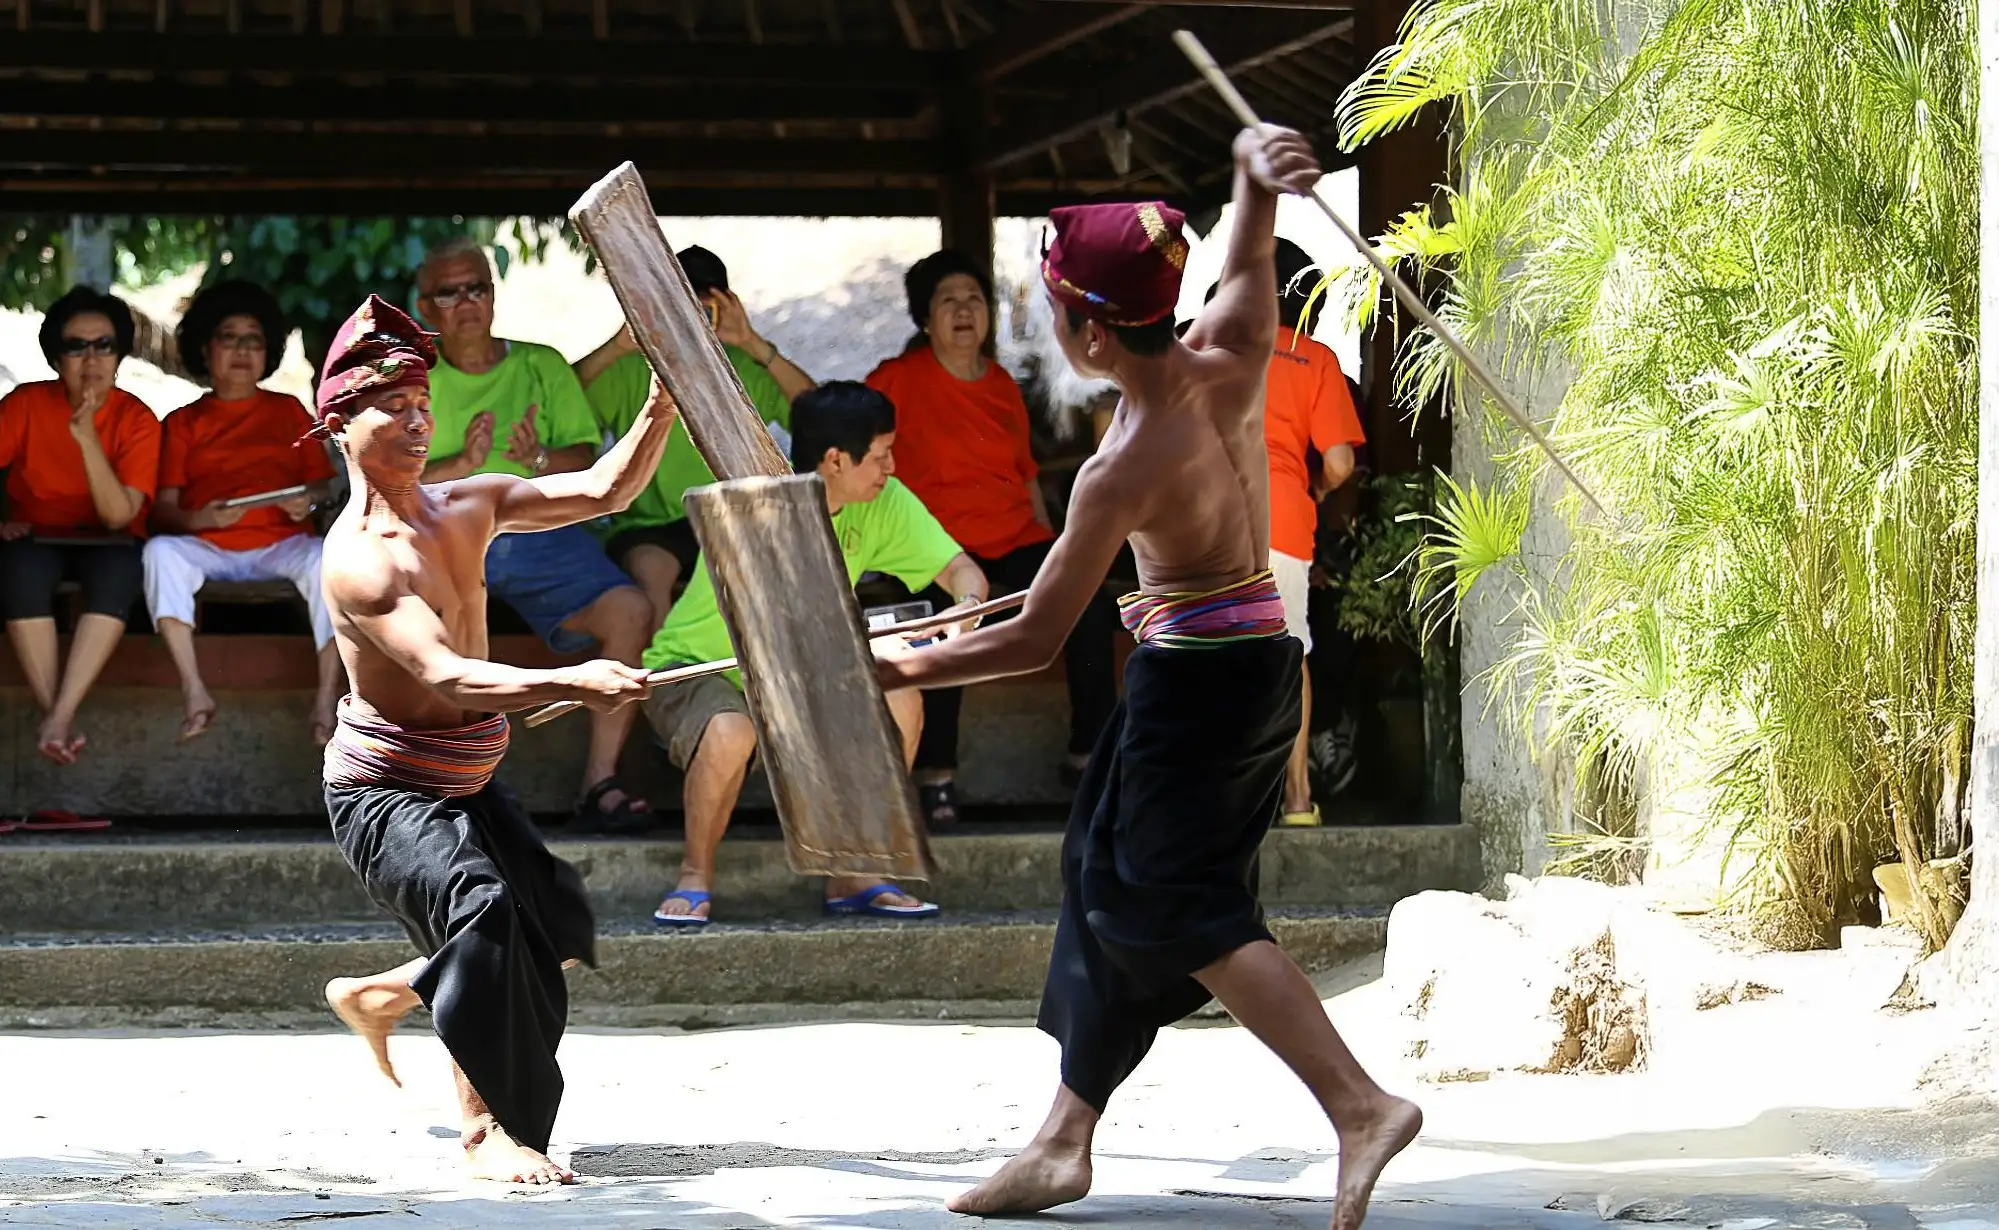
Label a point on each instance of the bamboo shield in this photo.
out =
(828, 743)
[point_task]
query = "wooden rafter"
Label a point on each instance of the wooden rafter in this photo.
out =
(327, 154)
(94, 16)
(534, 104)
(1035, 36)
(950, 12)
(232, 16)
(162, 15)
(1238, 43)
(779, 65)
(600, 19)
(332, 16)
(461, 17)
(905, 16)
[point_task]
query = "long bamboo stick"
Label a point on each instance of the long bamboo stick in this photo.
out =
(1195, 52)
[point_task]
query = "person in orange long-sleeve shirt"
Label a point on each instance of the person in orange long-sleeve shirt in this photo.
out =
(82, 459)
(962, 445)
(238, 440)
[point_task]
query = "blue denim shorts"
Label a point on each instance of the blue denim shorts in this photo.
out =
(549, 577)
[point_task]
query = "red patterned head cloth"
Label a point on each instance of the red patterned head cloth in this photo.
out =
(1117, 264)
(378, 348)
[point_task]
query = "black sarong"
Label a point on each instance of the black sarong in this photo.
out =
(1159, 867)
(497, 914)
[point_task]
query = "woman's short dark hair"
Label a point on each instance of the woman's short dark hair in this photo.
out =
(842, 414)
(923, 278)
(83, 301)
(218, 303)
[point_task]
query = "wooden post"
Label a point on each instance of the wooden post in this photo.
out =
(965, 197)
(1398, 172)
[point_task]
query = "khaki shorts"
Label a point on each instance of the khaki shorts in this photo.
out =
(679, 713)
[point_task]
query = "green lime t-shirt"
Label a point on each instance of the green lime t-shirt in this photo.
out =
(618, 394)
(530, 375)
(892, 533)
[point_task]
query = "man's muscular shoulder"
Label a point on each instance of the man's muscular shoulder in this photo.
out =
(361, 574)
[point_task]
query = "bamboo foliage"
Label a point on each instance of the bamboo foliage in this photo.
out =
(1747, 234)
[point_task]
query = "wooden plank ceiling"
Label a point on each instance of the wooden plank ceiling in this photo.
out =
(843, 107)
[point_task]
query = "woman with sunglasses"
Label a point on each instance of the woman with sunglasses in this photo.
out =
(82, 460)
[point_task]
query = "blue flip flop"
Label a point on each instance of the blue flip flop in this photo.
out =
(868, 901)
(693, 897)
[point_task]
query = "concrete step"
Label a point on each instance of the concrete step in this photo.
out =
(983, 966)
(171, 884)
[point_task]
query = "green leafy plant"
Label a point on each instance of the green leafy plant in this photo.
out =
(1733, 250)
(1377, 593)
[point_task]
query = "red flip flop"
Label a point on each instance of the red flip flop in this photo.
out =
(51, 820)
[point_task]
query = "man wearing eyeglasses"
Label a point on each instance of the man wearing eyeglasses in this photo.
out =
(511, 407)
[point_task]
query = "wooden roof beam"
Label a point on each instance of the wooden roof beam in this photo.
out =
(1344, 6)
(321, 155)
(779, 65)
(544, 104)
(1029, 40)
(1238, 43)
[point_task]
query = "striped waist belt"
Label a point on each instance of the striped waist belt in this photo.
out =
(1248, 610)
(366, 751)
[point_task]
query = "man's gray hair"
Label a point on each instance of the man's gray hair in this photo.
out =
(454, 248)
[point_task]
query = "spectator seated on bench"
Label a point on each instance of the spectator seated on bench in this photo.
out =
(964, 447)
(82, 459)
(235, 442)
(846, 432)
(652, 540)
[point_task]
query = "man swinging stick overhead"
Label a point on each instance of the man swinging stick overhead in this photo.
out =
(1160, 910)
(409, 772)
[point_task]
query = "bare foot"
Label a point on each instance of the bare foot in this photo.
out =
(55, 741)
(677, 906)
(196, 722)
(1040, 1177)
(492, 1154)
(371, 1012)
(1364, 1150)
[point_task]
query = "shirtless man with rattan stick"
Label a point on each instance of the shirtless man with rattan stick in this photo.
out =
(1159, 903)
(409, 772)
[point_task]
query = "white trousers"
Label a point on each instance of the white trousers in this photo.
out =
(178, 565)
(1294, 586)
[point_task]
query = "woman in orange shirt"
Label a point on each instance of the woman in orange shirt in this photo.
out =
(962, 445)
(82, 459)
(238, 440)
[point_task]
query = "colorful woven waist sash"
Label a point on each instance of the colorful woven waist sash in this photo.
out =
(367, 751)
(1248, 610)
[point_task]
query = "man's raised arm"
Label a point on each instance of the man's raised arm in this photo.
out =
(608, 486)
(403, 626)
(1242, 316)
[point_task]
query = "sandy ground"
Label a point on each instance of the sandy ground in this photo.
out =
(1802, 1110)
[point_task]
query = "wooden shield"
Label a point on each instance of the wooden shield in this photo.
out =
(829, 745)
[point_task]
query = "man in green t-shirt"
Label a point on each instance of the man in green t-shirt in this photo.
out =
(652, 539)
(506, 407)
(846, 431)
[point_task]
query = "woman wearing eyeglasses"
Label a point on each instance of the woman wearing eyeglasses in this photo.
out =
(237, 442)
(82, 460)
